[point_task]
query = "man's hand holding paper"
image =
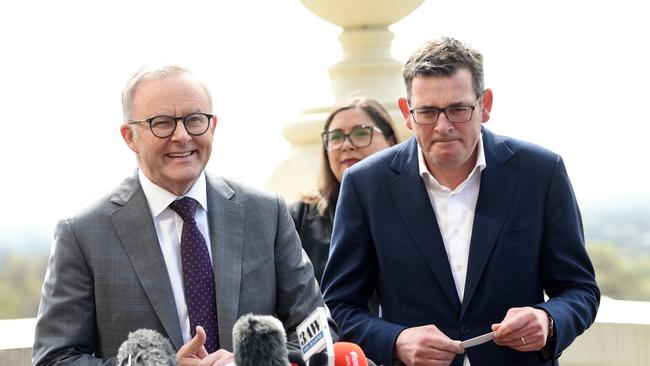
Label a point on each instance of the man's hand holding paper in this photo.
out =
(523, 329)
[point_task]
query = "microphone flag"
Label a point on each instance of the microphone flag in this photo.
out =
(314, 335)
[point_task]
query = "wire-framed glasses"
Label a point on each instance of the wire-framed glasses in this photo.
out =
(196, 124)
(360, 136)
(455, 114)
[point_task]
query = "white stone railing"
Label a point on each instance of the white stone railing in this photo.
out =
(16, 339)
(620, 337)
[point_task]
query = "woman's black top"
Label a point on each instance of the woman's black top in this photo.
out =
(315, 232)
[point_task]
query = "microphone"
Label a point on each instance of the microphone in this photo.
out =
(314, 336)
(146, 347)
(259, 340)
(345, 354)
(349, 354)
(295, 358)
(318, 359)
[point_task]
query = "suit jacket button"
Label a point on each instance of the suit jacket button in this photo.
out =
(464, 329)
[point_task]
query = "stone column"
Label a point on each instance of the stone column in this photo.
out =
(367, 69)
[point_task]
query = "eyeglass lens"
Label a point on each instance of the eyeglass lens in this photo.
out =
(359, 137)
(454, 114)
(195, 124)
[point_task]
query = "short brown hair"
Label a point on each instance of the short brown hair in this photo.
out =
(443, 57)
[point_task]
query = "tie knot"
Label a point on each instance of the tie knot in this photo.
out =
(185, 208)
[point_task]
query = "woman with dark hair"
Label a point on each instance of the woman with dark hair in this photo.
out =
(352, 132)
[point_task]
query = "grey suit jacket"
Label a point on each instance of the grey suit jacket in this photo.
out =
(106, 275)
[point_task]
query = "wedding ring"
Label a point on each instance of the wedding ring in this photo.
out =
(523, 340)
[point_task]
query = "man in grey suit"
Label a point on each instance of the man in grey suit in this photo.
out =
(120, 264)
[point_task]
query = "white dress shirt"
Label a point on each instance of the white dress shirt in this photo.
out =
(169, 226)
(454, 210)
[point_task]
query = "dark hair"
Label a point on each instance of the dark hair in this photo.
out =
(443, 57)
(328, 186)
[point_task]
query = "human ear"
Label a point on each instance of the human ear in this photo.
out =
(128, 134)
(404, 108)
(214, 123)
(487, 105)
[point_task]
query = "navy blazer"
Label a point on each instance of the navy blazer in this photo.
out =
(527, 239)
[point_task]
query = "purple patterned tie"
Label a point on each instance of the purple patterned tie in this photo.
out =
(198, 276)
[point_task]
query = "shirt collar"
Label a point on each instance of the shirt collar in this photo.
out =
(481, 164)
(159, 198)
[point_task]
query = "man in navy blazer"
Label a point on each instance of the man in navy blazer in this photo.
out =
(461, 232)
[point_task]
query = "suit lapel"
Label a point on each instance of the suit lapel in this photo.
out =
(226, 222)
(134, 226)
(498, 184)
(414, 206)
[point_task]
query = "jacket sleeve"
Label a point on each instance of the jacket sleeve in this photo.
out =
(351, 277)
(65, 328)
(566, 271)
(298, 293)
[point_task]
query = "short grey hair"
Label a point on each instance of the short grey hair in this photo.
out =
(443, 57)
(158, 73)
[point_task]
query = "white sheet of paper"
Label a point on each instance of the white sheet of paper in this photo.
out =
(477, 340)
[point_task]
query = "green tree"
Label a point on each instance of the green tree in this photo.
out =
(619, 275)
(21, 278)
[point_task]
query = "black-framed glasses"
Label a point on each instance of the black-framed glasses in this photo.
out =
(196, 124)
(360, 136)
(455, 114)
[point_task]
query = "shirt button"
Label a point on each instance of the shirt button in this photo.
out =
(458, 267)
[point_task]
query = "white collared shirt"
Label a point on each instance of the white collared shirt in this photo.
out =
(454, 210)
(169, 226)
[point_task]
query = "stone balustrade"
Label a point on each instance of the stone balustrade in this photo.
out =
(620, 337)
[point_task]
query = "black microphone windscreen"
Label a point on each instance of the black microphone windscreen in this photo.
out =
(295, 358)
(318, 359)
(146, 347)
(259, 340)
